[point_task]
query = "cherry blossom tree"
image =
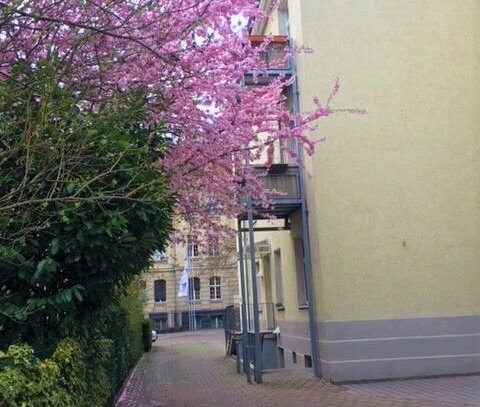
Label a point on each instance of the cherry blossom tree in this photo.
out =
(189, 58)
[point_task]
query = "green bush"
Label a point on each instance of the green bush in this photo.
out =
(69, 357)
(100, 360)
(81, 195)
(121, 323)
(79, 374)
(26, 381)
(147, 335)
(85, 371)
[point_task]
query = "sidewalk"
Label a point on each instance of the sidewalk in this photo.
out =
(191, 369)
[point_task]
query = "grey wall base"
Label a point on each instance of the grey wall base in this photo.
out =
(388, 349)
(399, 348)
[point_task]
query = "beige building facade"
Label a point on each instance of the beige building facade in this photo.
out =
(393, 196)
(213, 285)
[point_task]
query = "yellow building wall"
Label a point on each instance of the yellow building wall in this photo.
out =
(394, 195)
(204, 267)
(282, 240)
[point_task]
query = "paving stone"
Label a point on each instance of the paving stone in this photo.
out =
(191, 369)
(456, 390)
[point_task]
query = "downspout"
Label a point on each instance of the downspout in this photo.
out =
(260, 28)
(307, 261)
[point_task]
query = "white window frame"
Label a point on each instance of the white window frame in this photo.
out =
(215, 288)
(213, 249)
(154, 291)
(192, 246)
(194, 295)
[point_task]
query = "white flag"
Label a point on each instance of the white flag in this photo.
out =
(183, 289)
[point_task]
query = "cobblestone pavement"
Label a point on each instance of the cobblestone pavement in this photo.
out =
(191, 369)
(455, 390)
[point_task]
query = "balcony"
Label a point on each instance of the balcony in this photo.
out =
(284, 179)
(273, 58)
(274, 55)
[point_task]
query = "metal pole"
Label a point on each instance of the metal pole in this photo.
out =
(310, 292)
(246, 362)
(189, 288)
(175, 296)
(256, 323)
(247, 286)
(194, 316)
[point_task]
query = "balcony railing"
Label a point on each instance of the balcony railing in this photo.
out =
(282, 178)
(266, 317)
(274, 55)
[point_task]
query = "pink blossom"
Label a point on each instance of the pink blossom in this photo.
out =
(182, 53)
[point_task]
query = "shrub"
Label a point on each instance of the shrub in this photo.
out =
(79, 374)
(69, 356)
(27, 381)
(121, 323)
(147, 335)
(85, 371)
(100, 360)
(82, 195)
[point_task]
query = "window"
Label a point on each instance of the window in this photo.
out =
(211, 207)
(308, 361)
(213, 248)
(192, 246)
(159, 256)
(216, 321)
(159, 323)
(194, 288)
(215, 290)
(160, 290)
(300, 272)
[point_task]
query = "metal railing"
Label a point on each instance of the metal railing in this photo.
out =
(275, 54)
(266, 316)
(283, 178)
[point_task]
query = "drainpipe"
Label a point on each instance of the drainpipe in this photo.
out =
(307, 261)
(310, 291)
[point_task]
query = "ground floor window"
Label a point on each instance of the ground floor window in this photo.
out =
(216, 321)
(194, 288)
(159, 323)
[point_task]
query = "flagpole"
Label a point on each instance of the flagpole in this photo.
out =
(184, 289)
(189, 291)
(194, 317)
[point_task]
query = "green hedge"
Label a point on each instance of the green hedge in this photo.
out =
(77, 374)
(85, 371)
(147, 335)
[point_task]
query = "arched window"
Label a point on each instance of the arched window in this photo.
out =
(194, 288)
(160, 290)
(215, 290)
